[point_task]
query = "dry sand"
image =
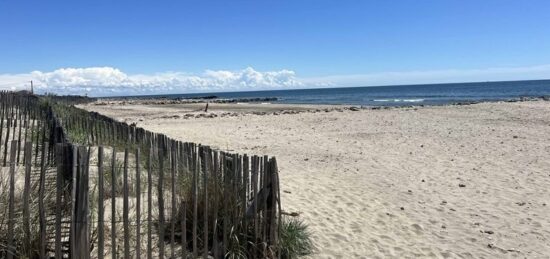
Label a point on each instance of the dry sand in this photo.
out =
(451, 181)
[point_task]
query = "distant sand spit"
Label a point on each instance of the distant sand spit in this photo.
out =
(467, 181)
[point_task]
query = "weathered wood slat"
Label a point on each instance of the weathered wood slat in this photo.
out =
(161, 197)
(173, 201)
(138, 205)
(81, 243)
(265, 221)
(125, 208)
(74, 171)
(113, 205)
(184, 206)
(41, 210)
(11, 209)
(59, 192)
(226, 193)
(206, 165)
(26, 196)
(195, 200)
(216, 176)
(100, 207)
(149, 204)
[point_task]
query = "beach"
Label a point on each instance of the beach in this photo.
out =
(454, 181)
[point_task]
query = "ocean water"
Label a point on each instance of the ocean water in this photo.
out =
(401, 95)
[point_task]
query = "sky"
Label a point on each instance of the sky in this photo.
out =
(152, 47)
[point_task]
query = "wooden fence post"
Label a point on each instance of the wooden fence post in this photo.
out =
(149, 204)
(60, 152)
(74, 167)
(195, 199)
(206, 165)
(26, 196)
(161, 197)
(81, 242)
(138, 205)
(100, 208)
(225, 204)
(11, 213)
(125, 207)
(265, 222)
(41, 210)
(113, 205)
(172, 155)
(184, 208)
(216, 176)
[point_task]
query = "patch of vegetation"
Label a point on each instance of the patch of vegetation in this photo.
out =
(295, 239)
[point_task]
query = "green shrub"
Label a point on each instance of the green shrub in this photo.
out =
(295, 239)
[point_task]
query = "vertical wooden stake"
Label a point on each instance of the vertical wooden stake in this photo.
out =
(11, 212)
(59, 191)
(138, 205)
(41, 209)
(206, 165)
(113, 205)
(72, 237)
(216, 176)
(125, 208)
(100, 208)
(149, 204)
(173, 202)
(26, 195)
(161, 200)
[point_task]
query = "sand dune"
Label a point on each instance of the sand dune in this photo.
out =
(451, 181)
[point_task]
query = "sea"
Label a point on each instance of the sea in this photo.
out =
(397, 95)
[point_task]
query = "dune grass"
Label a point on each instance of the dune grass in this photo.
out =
(295, 239)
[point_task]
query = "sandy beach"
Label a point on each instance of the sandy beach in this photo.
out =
(468, 181)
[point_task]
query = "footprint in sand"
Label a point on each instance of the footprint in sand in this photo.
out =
(417, 229)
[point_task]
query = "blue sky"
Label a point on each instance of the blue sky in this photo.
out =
(184, 46)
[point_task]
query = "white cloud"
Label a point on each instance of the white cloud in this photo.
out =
(104, 81)
(112, 81)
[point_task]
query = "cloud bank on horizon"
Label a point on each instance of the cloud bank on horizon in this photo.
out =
(105, 81)
(109, 81)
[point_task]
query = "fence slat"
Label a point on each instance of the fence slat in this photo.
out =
(125, 207)
(26, 196)
(149, 204)
(173, 201)
(161, 199)
(138, 205)
(100, 208)
(72, 237)
(81, 235)
(216, 176)
(195, 200)
(206, 164)
(113, 205)
(225, 173)
(59, 192)
(41, 210)
(184, 210)
(265, 221)
(11, 213)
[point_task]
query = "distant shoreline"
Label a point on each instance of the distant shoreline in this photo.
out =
(165, 109)
(406, 95)
(315, 88)
(267, 100)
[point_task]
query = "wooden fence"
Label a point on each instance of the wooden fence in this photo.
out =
(81, 185)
